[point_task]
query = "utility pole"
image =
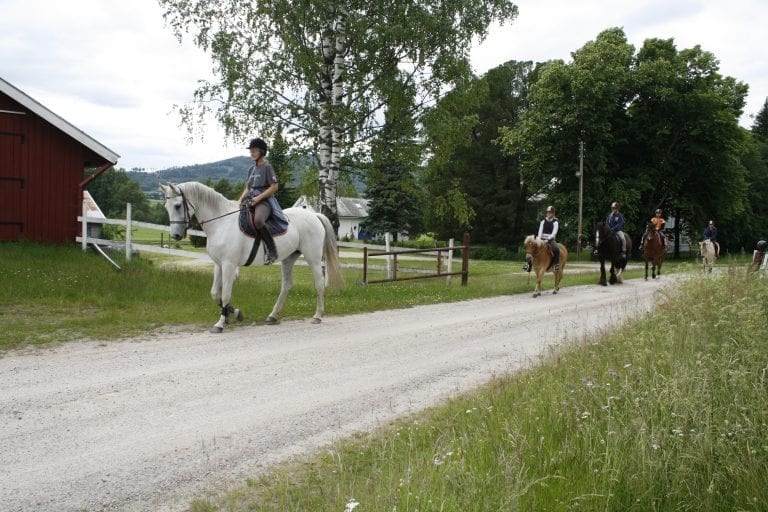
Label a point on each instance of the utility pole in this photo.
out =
(581, 196)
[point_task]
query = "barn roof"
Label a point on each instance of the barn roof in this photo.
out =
(59, 122)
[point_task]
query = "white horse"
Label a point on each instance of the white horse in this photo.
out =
(309, 234)
(708, 254)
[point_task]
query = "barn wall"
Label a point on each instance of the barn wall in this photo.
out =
(40, 169)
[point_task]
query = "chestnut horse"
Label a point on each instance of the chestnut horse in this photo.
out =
(653, 250)
(537, 256)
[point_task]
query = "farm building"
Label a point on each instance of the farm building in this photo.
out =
(352, 214)
(43, 162)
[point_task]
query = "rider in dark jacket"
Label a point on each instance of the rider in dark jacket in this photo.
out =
(710, 233)
(616, 223)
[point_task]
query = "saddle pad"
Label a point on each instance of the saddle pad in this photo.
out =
(276, 226)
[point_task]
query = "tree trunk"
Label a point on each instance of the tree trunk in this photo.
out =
(331, 143)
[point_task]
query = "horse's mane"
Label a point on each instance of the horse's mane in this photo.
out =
(205, 195)
(532, 239)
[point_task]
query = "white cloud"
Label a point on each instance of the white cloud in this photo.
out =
(115, 71)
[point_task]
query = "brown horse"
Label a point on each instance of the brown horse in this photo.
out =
(653, 250)
(538, 257)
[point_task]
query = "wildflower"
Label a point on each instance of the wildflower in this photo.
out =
(352, 504)
(655, 446)
(627, 365)
(585, 415)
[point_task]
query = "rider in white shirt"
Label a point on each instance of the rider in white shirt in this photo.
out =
(548, 231)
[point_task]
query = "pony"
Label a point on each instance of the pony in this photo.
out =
(708, 255)
(309, 234)
(608, 247)
(653, 250)
(537, 256)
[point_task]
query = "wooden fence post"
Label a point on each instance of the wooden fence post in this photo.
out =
(465, 261)
(128, 232)
(84, 227)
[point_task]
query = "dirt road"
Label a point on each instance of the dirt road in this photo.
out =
(146, 424)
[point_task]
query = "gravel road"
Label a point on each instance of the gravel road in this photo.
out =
(148, 424)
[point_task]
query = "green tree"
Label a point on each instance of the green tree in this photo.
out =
(472, 184)
(760, 126)
(311, 65)
(394, 200)
(113, 189)
(660, 129)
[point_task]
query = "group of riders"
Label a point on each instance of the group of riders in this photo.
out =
(549, 226)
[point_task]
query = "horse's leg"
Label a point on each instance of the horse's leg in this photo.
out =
(317, 271)
(613, 277)
(646, 269)
(558, 277)
(285, 286)
(602, 273)
(539, 277)
(216, 287)
(227, 278)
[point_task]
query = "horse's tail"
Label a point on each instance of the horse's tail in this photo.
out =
(331, 254)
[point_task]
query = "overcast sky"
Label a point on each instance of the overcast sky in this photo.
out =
(112, 68)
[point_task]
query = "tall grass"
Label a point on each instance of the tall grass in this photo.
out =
(669, 413)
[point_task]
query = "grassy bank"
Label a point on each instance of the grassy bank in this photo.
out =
(56, 294)
(669, 413)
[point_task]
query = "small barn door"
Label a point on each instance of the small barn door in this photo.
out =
(12, 196)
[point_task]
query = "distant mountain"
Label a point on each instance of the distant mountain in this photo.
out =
(232, 169)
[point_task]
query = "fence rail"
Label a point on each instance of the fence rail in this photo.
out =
(392, 262)
(368, 250)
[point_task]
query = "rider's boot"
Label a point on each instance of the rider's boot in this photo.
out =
(270, 251)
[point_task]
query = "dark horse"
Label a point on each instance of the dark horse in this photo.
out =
(608, 247)
(653, 250)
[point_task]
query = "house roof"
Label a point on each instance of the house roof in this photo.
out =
(59, 122)
(94, 212)
(347, 207)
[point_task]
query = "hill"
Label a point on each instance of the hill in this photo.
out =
(232, 169)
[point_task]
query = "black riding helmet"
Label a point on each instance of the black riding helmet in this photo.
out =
(258, 143)
(762, 245)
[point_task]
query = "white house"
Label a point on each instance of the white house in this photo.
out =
(352, 213)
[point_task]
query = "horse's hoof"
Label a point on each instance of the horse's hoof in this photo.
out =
(238, 315)
(535, 295)
(316, 320)
(217, 330)
(554, 292)
(271, 320)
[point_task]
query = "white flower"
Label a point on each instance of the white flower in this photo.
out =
(351, 505)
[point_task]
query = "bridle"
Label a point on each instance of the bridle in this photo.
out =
(188, 216)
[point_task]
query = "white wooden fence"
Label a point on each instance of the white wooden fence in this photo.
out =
(128, 245)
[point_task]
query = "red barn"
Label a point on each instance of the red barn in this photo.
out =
(43, 160)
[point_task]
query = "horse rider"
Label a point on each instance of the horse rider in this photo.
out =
(710, 233)
(259, 194)
(658, 224)
(548, 231)
(616, 223)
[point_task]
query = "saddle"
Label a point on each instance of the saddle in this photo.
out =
(275, 225)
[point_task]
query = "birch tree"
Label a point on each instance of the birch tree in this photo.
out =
(316, 66)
